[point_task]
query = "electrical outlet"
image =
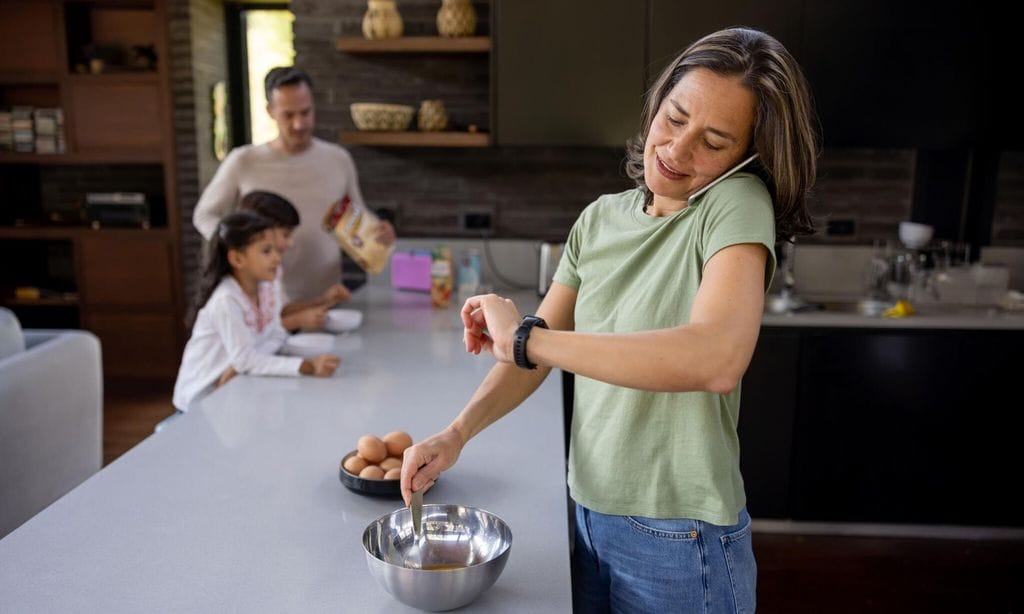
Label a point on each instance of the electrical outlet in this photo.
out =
(841, 228)
(476, 221)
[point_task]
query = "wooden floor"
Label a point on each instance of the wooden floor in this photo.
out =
(796, 573)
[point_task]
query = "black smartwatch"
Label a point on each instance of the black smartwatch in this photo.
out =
(519, 340)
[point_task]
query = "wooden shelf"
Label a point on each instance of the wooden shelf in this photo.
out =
(415, 44)
(39, 302)
(72, 232)
(117, 78)
(147, 157)
(29, 78)
(116, 4)
(415, 139)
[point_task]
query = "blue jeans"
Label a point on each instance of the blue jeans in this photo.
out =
(633, 564)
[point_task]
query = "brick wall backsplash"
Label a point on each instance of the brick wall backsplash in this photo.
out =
(1008, 218)
(530, 192)
(534, 192)
(870, 187)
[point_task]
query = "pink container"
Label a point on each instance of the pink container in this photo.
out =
(410, 271)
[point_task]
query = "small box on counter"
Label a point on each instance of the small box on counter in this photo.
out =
(411, 270)
(355, 229)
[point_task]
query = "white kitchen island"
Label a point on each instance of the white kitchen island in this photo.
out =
(237, 506)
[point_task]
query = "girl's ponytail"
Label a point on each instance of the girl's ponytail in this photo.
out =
(235, 231)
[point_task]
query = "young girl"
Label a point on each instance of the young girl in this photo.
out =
(237, 322)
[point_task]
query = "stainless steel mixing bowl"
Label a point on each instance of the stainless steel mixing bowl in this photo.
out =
(461, 553)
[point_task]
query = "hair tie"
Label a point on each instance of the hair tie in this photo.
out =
(222, 231)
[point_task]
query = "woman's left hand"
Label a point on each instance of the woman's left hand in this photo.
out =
(490, 323)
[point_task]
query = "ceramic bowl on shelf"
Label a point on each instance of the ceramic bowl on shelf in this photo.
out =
(309, 345)
(378, 116)
(914, 235)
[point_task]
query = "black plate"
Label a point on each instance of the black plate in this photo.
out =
(375, 488)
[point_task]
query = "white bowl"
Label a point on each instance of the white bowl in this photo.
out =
(341, 320)
(309, 344)
(914, 235)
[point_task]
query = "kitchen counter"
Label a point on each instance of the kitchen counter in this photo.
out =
(927, 317)
(237, 506)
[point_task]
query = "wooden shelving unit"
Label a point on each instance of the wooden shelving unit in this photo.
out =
(415, 139)
(415, 44)
(126, 281)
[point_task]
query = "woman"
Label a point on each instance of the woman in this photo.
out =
(656, 307)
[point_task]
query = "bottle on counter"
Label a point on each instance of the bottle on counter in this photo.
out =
(441, 277)
(469, 273)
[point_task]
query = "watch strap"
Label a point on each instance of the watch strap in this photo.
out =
(520, 338)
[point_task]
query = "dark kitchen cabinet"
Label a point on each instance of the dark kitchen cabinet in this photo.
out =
(674, 25)
(891, 426)
(568, 73)
(767, 412)
(120, 282)
(897, 74)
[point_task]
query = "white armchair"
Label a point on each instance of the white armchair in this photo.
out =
(51, 416)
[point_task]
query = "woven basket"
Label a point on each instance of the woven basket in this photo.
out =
(379, 116)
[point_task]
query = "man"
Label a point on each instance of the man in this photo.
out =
(310, 173)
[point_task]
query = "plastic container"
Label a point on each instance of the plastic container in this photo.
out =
(411, 270)
(469, 273)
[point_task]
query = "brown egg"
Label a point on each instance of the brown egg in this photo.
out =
(390, 463)
(355, 464)
(393, 474)
(397, 442)
(372, 472)
(372, 448)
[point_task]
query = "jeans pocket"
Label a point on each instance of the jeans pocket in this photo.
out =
(665, 528)
(739, 557)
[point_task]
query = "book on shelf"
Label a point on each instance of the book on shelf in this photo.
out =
(6, 131)
(49, 130)
(26, 129)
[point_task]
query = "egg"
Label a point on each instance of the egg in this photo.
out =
(390, 463)
(397, 442)
(355, 464)
(372, 472)
(372, 448)
(393, 474)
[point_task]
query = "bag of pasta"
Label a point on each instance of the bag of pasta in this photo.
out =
(355, 229)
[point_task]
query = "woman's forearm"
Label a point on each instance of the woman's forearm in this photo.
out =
(686, 358)
(504, 388)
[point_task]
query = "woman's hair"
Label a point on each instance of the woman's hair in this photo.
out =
(280, 212)
(784, 134)
(235, 231)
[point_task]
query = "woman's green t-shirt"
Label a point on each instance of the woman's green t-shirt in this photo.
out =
(656, 454)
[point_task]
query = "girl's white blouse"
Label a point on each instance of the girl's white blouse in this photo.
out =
(230, 331)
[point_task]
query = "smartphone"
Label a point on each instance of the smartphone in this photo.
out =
(689, 201)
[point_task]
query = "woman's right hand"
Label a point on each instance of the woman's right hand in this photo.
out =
(424, 461)
(322, 365)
